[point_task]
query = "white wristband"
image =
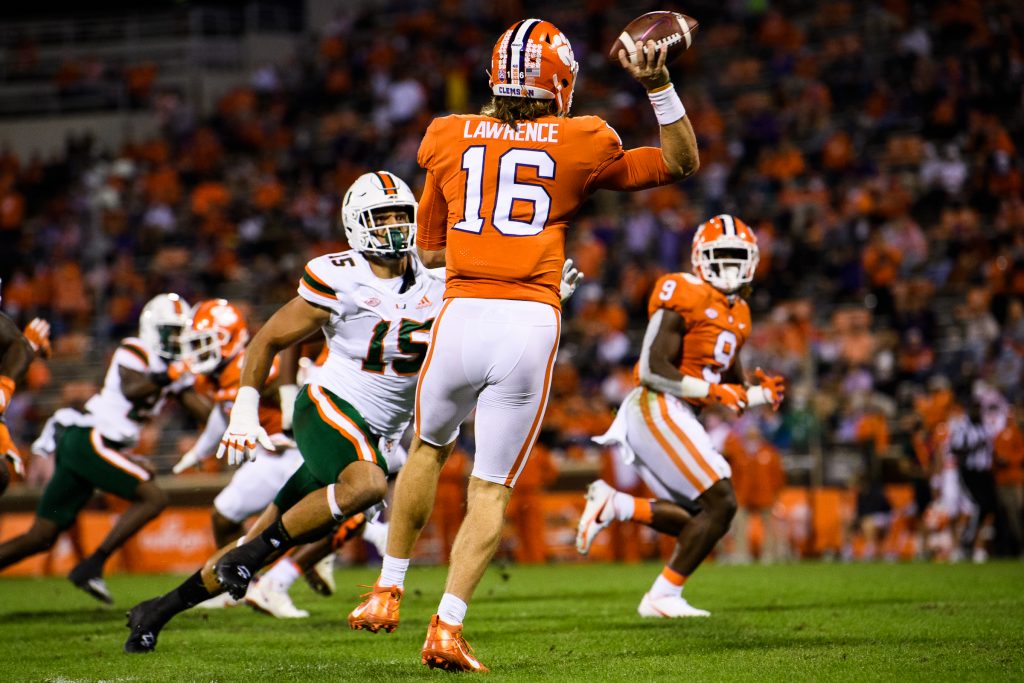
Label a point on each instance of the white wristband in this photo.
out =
(247, 400)
(691, 387)
(668, 108)
(758, 396)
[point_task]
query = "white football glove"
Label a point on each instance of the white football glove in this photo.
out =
(17, 462)
(189, 460)
(571, 279)
(287, 393)
(244, 429)
(10, 451)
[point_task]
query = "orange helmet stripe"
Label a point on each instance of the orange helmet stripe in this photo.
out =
(387, 182)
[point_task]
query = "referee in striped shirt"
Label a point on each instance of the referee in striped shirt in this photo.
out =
(971, 445)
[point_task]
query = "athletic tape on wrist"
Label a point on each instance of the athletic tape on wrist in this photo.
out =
(691, 387)
(668, 108)
(336, 512)
(758, 396)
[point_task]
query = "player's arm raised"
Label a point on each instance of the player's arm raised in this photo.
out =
(678, 142)
(663, 343)
(292, 323)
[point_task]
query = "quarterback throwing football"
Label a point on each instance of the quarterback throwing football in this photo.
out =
(502, 188)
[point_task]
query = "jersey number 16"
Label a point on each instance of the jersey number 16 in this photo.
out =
(509, 191)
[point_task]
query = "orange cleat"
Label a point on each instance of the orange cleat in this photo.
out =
(378, 611)
(445, 648)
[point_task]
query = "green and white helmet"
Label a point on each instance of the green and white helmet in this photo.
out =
(371, 192)
(161, 324)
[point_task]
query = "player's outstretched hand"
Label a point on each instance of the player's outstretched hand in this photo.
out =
(37, 333)
(774, 387)
(732, 396)
(244, 430)
(10, 451)
(571, 279)
(649, 68)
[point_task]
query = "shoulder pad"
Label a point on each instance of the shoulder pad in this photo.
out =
(692, 279)
(137, 348)
(327, 279)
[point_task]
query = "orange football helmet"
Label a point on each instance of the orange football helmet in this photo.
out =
(534, 59)
(218, 333)
(724, 253)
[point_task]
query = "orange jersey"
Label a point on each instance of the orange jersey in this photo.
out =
(715, 329)
(223, 387)
(499, 199)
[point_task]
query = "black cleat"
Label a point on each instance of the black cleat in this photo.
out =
(234, 572)
(145, 626)
(91, 583)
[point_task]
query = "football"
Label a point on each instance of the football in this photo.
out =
(670, 29)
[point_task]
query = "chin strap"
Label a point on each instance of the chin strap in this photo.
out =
(408, 277)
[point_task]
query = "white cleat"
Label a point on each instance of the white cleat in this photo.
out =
(265, 597)
(668, 608)
(597, 514)
(218, 602)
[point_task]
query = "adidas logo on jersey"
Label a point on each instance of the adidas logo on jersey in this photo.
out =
(424, 302)
(372, 301)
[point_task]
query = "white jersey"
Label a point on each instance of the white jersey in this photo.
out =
(117, 418)
(377, 335)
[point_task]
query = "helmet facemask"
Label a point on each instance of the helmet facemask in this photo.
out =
(170, 334)
(201, 349)
(388, 240)
(727, 263)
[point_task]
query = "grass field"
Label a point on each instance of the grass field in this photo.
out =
(813, 622)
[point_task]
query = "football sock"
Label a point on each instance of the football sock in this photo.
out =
(642, 510)
(283, 574)
(276, 536)
(669, 584)
(376, 533)
(193, 591)
(188, 594)
(451, 610)
(91, 566)
(101, 555)
(623, 506)
(392, 571)
(273, 539)
(627, 508)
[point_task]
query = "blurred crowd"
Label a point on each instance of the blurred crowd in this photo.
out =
(873, 146)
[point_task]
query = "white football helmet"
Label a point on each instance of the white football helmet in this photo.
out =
(162, 321)
(375, 191)
(724, 253)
